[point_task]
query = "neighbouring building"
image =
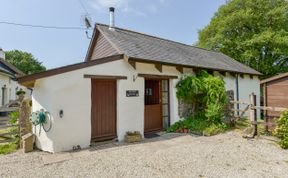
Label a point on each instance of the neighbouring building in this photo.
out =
(126, 83)
(8, 80)
(275, 93)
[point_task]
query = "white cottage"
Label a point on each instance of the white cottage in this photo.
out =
(126, 83)
(8, 81)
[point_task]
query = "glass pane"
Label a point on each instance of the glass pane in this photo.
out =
(164, 97)
(164, 85)
(165, 110)
(165, 123)
(152, 92)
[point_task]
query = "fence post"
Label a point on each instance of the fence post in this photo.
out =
(24, 121)
(253, 114)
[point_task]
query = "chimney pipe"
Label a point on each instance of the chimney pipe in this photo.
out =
(112, 18)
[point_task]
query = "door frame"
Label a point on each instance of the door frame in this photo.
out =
(103, 138)
(161, 99)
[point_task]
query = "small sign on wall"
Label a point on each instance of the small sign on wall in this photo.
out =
(132, 93)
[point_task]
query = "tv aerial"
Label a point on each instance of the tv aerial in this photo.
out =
(86, 21)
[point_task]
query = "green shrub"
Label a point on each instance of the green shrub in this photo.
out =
(13, 117)
(19, 92)
(14, 134)
(198, 124)
(207, 92)
(9, 148)
(214, 129)
(281, 130)
(12, 146)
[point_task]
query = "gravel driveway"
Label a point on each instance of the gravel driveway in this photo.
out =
(225, 155)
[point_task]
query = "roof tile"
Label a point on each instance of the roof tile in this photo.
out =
(142, 46)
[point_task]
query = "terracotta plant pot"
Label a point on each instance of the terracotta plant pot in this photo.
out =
(179, 130)
(186, 130)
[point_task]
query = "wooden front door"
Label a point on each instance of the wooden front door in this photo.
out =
(103, 111)
(153, 106)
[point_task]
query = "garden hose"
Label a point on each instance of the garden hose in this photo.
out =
(41, 118)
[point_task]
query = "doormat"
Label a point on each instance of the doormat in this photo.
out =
(151, 135)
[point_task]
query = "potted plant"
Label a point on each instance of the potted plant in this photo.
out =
(21, 94)
(131, 137)
(185, 130)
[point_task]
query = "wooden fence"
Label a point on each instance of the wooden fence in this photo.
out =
(251, 108)
(7, 135)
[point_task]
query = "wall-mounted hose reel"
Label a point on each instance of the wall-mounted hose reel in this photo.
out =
(43, 119)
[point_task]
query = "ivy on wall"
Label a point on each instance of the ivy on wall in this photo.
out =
(205, 94)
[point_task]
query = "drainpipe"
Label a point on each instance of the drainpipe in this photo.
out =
(237, 93)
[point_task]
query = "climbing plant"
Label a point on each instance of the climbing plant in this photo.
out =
(206, 93)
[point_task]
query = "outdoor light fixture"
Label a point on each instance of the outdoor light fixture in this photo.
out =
(61, 113)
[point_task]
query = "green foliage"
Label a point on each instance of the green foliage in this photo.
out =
(13, 117)
(214, 129)
(254, 32)
(19, 92)
(209, 95)
(214, 112)
(24, 61)
(281, 130)
(12, 146)
(192, 123)
(8, 148)
(198, 124)
(206, 91)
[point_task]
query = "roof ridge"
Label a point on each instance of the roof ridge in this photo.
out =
(160, 38)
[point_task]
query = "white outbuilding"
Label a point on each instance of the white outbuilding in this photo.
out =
(126, 83)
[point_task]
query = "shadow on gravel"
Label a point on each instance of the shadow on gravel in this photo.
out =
(161, 136)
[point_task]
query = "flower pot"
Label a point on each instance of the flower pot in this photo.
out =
(186, 130)
(133, 137)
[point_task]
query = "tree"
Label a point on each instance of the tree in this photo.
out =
(254, 32)
(24, 61)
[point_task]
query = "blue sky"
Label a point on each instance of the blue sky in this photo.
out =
(178, 20)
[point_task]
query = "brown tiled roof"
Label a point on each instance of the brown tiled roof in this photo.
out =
(154, 49)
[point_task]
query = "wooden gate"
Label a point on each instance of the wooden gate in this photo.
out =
(153, 106)
(252, 108)
(103, 111)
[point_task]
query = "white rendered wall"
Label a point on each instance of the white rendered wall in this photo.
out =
(11, 88)
(71, 92)
(246, 86)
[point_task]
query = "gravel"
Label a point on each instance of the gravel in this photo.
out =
(171, 155)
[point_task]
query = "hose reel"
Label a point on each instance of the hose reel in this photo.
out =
(42, 118)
